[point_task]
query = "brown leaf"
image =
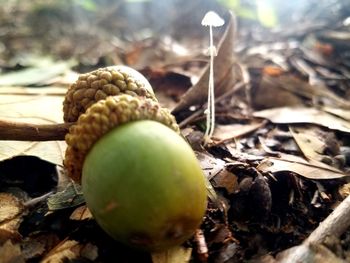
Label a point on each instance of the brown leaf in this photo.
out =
(300, 166)
(231, 131)
(342, 113)
(304, 115)
(70, 249)
(309, 141)
(11, 210)
(37, 245)
(270, 93)
(11, 253)
(225, 72)
(226, 180)
(81, 213)
(36, 109)
(210, 165)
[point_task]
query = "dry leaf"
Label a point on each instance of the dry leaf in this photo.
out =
(270, 94)
(342, 113)
(38, 244)
(304, 115)
(210, 165)
(71, 196)
(300, 166)
(35, 75)
(225, 72)
(11, 210)
(232, 131)
(11, 253)
(177, 254)
(70, 249)
(227, 180)
(81, 213)
(309, 141)
(36, 109)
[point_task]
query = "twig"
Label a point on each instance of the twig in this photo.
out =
(20, 131)
(202, 248)
(335, 224)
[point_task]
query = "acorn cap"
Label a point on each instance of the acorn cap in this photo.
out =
(103, 116)
(101, 83)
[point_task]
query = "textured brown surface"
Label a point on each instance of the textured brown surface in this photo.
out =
(101, 83)
(103, 116)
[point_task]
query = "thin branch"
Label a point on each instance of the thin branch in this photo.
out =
(19, 131)
(335, 224)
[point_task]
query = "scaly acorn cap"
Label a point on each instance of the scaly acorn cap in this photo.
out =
(101, 83)
(103, 116)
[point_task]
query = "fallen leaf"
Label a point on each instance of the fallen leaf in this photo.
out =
(226, 180)
(71, 249)
(309, 141)
(89, 251)
(11, 253)
(173, 255)
(300, 166)
(67, 249)
(38, 109)
(270, 94)
(81, 213)
(342, 113)
(226, 72)
(11, 210)
(10, 207)
(47, 91)
(38, 244)
(35, 75)
(287, 115)
(210, 165)
(51, 151)
(232, 131)
(288, 90)
(70, 197)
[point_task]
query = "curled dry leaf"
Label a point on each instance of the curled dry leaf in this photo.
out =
(226, 70)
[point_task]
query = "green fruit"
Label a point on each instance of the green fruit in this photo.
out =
(144, 186)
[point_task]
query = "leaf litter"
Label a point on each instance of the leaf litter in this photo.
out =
(279, 161)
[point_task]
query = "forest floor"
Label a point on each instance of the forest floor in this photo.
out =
(279, 159)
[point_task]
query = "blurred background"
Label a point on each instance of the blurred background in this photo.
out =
(97, 32)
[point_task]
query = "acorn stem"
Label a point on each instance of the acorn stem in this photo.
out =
(21, 131)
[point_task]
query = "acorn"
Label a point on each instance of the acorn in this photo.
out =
(140, 179)
(101, 83)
